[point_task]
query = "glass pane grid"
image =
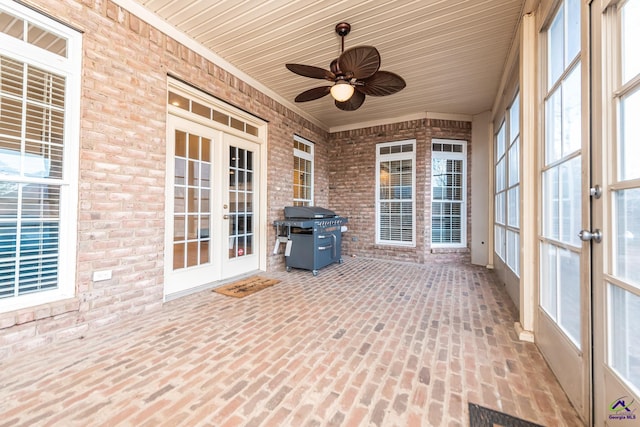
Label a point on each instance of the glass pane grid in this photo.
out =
(241, 202)
(192, 195)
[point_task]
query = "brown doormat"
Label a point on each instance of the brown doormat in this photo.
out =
(245, 287)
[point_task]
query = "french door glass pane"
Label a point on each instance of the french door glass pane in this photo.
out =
(571, 202)
(560, 290)
(629, 145)
(624, 335)
(571, 103)
(549, 279)
(630, 40)
(241, 202)
(627, 235)
(569, 294)
(562, 201)
(191, 200)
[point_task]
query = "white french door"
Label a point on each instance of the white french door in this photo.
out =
(212, 213)
(563, 328)
(616, 268)
(240, 206)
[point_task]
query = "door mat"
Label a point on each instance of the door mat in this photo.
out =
(484, 417)
(247, 286)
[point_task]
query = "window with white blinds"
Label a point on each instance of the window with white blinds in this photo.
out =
(395, 195)
(38, 128)
(448, 194)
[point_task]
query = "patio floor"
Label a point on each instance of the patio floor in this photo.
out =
(367, 342)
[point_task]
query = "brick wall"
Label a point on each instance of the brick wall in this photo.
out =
(352, 184)
(122, 168)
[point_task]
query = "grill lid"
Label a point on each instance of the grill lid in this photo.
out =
(307, 212)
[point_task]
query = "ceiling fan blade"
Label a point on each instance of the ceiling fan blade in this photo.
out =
(352, 103)
(359, 62)
(311, 94)
(311, 71)
(382, 83)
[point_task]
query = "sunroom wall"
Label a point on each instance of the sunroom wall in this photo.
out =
(352, 182)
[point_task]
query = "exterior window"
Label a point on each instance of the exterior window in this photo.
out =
(448, 194)
(507, 188)
(395, 193)
(39, 95)
(302, 172)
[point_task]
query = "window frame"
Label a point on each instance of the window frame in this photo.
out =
(446, 155)
(306, 156)
(380, 158)
(69, 67)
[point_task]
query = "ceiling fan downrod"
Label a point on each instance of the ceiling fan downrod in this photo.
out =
(342, 29)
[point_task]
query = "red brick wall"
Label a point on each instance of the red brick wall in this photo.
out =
(352, 178)
(122, 167)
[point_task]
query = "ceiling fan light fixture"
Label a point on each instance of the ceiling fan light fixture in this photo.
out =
(341, 91)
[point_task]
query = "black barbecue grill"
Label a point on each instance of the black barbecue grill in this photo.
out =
(313, 237)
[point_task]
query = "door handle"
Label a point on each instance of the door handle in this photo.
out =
(586, 235)
(225, 216)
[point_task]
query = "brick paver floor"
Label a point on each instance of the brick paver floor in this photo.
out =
(366, 342)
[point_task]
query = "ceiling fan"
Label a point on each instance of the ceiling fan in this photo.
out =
(355, 74)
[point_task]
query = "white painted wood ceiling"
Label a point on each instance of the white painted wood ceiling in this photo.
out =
(451, 53)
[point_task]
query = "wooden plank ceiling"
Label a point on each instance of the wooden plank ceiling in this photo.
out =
(451, 53)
